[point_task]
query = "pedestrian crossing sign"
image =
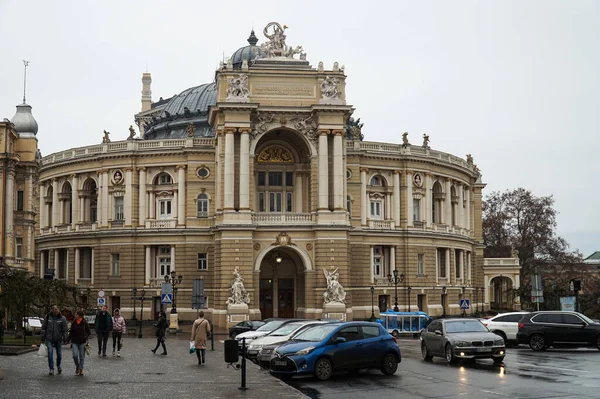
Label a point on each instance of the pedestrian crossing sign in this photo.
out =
(166, 299)
(465, 303)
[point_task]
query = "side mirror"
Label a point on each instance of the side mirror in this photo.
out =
(438, 332)
(583, 324)
(340, 340)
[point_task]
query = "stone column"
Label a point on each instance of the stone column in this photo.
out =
(173, 267)
(447, 253)
(468, 210)
(392, 259)
(448, 204)
(56, 268)
(77, 264)
(388, 207)
(142, 207)
(461, 266)
(396, 197)
(75, 201)
(42, 263)
(128, 200)
(372, 279)
(42, 192)
(229, 169)
(61, 211)
(323, 171)
(409, 199)
(181, 195)
(219, 174)
(82, 209)
(460, 219)
(298, 192)
(338, 172)
(174, 207)
(99, 201)
(9, 217)
(244, 182)
(148, 264)
(428, 200)
(92, 267)
(55, 204)
(363, 196)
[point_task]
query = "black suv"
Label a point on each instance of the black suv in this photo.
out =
(542, 330)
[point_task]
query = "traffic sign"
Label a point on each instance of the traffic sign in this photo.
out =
(101, 301)
(101, 294)
(465, 303)
(166, 298)
(167, 288)
(537, 299)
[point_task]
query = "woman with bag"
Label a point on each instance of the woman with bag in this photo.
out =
(118, 331)
(78, 335)
(200, 334)
(161, 330)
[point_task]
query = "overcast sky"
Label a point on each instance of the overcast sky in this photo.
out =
(515, 83)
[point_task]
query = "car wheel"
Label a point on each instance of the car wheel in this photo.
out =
(323, 369)
(498, 360)
(425, 352)
(449, 354)
(500, 334)
(389, 365)
(395, 333)
(233, 334)
(598, 342)
(537, 342)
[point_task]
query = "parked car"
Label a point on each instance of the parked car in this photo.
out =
(505, 325)
(276, 338)
(455, 339)
(325, 349)
(262, 330)
(244, 326)
(541, 330)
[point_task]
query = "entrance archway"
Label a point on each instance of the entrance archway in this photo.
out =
(282, 281)
(501, 293)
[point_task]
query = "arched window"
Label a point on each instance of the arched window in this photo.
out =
(164, 178)
(454, 199)
(202, 206)
(376, 181)
(438, 202)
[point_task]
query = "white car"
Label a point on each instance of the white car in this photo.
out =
(505, 325)
(261, 331)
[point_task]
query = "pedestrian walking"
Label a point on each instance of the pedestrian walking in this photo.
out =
(54, 331)
(103, 329)
(200, 334)
(161, 330)
(78, 336)
(119, 329)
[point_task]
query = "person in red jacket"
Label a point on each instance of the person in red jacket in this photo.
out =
(78, 336)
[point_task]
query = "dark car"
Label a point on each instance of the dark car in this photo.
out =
(243, 326)
(327, 348)
(541, 330)
(455, 339)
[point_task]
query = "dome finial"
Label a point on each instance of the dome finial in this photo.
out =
(252, 39)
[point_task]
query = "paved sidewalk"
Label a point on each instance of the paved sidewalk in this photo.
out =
(139, 374)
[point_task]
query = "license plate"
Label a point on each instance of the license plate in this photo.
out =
(253, 352)
(484, 349)
(279, 363)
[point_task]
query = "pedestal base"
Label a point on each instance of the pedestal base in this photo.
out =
(174, 323)
(237, 313)
(334, 310)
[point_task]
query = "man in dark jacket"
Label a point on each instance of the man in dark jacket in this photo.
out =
(104, 326)
(54, 331)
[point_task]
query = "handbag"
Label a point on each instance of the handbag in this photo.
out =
(88, 348)
(192, 347)
(43, 350)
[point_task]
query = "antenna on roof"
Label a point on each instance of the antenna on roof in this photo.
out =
(146, 66)
(26, 64)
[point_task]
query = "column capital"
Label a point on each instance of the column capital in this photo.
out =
(244, 130)
(178, 167)
(324, 132)
(230, 130)
(396, 172)
(364, 170)
(73, 175)
(141, 169)
(129, 169)
(337, 132)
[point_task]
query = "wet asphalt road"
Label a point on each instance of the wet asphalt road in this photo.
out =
(556, 373)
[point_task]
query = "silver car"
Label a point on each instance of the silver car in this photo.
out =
(455, 339)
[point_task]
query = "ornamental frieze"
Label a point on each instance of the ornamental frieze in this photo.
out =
(274, 154)
(302, 123)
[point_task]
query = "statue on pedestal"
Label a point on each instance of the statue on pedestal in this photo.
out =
(335, 292)
(239, 296)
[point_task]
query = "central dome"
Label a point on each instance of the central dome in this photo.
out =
(248, 53)
(194, 99)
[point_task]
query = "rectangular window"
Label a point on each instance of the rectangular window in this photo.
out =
(261, 178)
(115, 268)
(164, 209)
(19, 247)
(20, 200)
(288, 202)
(261, 202)
(457, 261)
(119, 213)
(276, 179)
(289, 179)
(421, 264)
(202, 208)
(375, 209)
(441, 262)
(416, 210)
(275, 202)
(378, 261)
(164, 261)
(202, 261)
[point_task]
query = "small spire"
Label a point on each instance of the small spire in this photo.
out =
(252, 39)
(26, 63)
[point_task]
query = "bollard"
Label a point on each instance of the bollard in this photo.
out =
(212, 338)
(243, 387)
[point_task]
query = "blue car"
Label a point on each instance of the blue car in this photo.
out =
(326, 348)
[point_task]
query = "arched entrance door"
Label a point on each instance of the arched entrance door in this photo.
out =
(281, 283)
(502, 293)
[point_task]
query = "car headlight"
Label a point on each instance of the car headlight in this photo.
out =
(499, 342)
(462, 344)
(255, 347)
(305, 351)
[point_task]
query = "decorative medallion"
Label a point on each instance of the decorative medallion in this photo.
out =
(202, 172)
(117, 177)
(274, 154)
(309, 247)
(256, 246)
(283, 239)
(418, 180)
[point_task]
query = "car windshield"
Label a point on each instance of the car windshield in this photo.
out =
(587, 319)
(315, 334)
(272, 325)
(465, 327)
(286, 329)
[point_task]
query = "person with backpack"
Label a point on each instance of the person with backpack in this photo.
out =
(104, 325)
(54, 331)
(161, 330)
(200, 334)
(119, 329)
(78, 336)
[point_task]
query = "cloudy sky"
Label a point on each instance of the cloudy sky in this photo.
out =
(515, 83)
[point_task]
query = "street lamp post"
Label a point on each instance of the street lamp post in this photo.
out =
(395, 279)
(464, 311)
(87, 297)
(142, 295)
(174, 280)
(483, 299)
(409, 289)
(444, 301)
(134, 297)
(372, 304)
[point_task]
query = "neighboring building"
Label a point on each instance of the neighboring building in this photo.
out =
(18, 188)
(593, 259)
(264, 170)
